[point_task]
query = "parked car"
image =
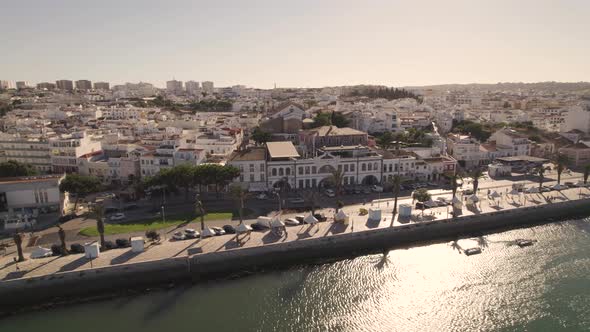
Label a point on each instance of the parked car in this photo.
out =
(218, 231)
(178, 236)
(117, 217)
(123, 243)
(66, 217)
(76, 248)
(131, 207)
(291, 222)
(320, 217)
(190, 233)
(300, 218)
(229, 229)
(41, 252)
(261, 196)
(377, 189)
(108, 245)
(330, 193)
(297, 200)
(258, 227)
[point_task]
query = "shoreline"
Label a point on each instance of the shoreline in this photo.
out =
(64, 288)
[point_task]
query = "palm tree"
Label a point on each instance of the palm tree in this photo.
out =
(97, 213)
(540, 172)
(200, 210)
(476, 174)
(560, 162)
(18, 241)
(421, 195)
(311, 197)
(586, 173)
(396, 187)
(239, 194)
(62, 239)
(336, 178)
(455, 178)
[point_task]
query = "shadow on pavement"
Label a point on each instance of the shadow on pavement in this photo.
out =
(15, 275)
(74, 264)
(123, 258)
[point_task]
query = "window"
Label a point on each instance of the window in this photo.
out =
(241, 177)
(376, 166)
(352, 167)
(306, 169)
(307, 183)
(364, 167)
(370, 167)
(313, 170)
(274, 172)
(300, 183)
(251, 177)
(281, 173)
(262, 167)
(314, 183)
(300, 170)
(346, 168)
(251, 167)
(262, 177)
(288, 171)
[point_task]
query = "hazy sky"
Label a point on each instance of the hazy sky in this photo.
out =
(301, 43)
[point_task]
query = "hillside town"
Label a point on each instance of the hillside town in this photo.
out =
(281, 138)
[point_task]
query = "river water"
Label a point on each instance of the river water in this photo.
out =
(545, 287)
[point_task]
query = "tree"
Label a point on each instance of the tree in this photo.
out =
(239, 194)
(561, 161)
(385, 141)
(97, 212)
(476, 174)
(259, 136)
(18, 241)
(421, 195)
(200, 209)
(311, 198)
(336, 178)
(13, 168)
(79, 185)
(540, 172)
(455, 178)
(62, 239)
(339, 120)
(182, 176)
(586, 173)
(396, 188)
(322, 119)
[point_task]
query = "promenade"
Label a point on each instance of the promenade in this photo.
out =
(178, 249)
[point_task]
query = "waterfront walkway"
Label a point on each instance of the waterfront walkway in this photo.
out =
(169, 248)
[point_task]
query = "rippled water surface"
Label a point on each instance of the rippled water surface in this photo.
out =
(545, 287)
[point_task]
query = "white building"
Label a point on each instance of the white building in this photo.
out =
(192, 88)
(29, 150)
(22, 199)
(208, 87)
(465, 149)
(66, 149)
(511, 140)
(577, 118)
(174, 87)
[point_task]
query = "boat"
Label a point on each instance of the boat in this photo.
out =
(524, 243)
(472, 251)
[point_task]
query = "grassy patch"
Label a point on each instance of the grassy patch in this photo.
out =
(142, 226)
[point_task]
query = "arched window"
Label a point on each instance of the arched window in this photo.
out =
(281, 172)
(274, 172)
(370, 167)
(363, 167)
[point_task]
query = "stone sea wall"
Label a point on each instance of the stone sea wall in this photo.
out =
(85, 283)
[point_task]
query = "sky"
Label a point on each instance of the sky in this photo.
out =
(303, 43)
